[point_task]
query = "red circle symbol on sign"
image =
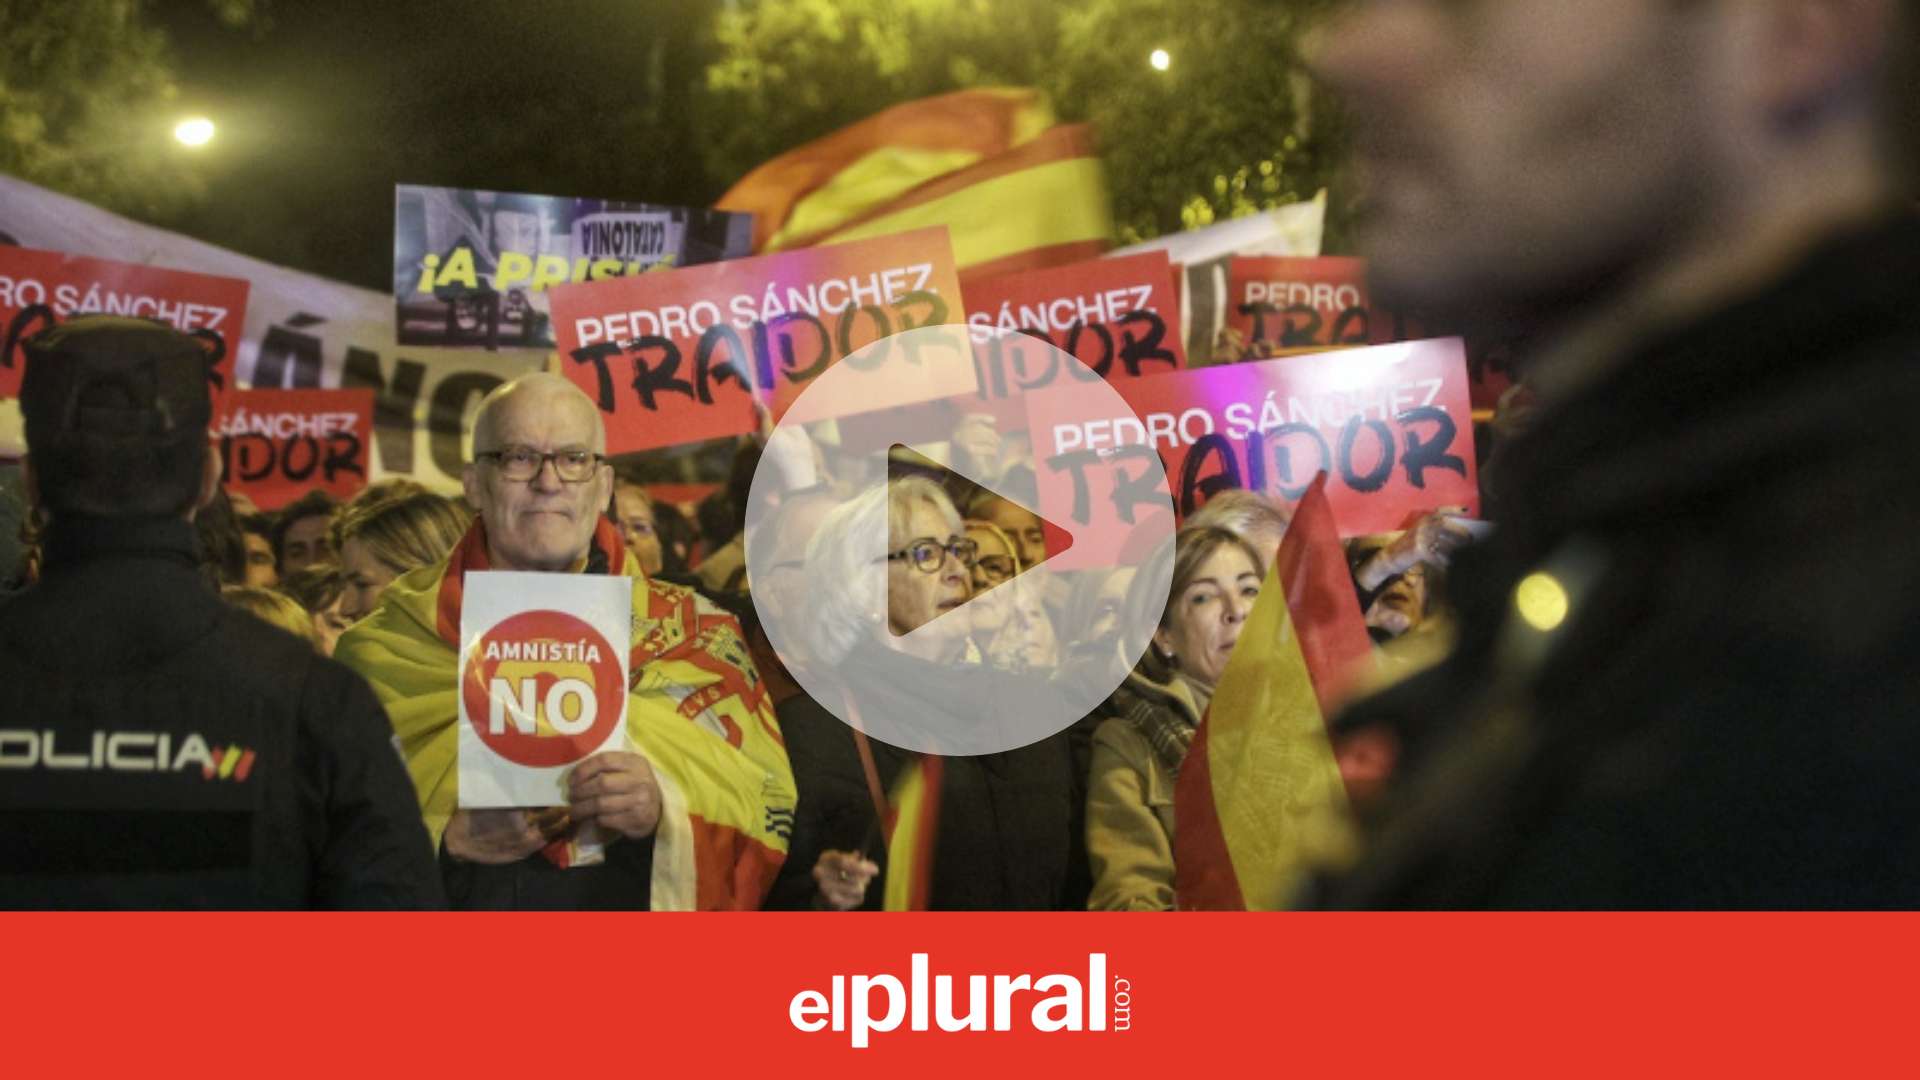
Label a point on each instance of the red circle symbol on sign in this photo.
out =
(543, 688)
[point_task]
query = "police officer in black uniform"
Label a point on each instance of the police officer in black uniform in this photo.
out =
(158, 748)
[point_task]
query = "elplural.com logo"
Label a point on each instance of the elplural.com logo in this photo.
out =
(863, 1005)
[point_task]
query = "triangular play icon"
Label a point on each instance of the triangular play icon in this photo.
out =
(1058, 539)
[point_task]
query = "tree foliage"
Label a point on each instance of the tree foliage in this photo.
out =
(84, 90)
(1232, 127)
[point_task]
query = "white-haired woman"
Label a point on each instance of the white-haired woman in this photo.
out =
(924, 573)
(888, 573)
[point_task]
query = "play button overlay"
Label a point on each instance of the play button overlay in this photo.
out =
(1058, 540)
(855, 577)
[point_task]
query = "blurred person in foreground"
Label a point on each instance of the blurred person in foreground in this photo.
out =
(1008, 822)
(1148, 723)
(1684, 675)
(694, 812)
(161, 751)
(379, 539)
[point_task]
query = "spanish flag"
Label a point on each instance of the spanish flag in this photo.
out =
(1015, 190)
(1261, 778)
(695, 709)
(911, 830)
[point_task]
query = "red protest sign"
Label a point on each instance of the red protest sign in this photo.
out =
(1390, 424)
(1120, 317)
(679, 356)
(278, 445)
(39, 289)
(1279, 306)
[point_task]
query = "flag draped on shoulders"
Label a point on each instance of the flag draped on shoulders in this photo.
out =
(696, 709)
(1261, 775)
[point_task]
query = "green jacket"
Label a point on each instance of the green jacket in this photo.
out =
(1130, 799)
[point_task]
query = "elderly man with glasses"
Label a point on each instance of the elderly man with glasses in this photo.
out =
(696, 812)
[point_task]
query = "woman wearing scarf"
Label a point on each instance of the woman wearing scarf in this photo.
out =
(1150, 719)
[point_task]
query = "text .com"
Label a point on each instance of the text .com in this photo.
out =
(861, 1005)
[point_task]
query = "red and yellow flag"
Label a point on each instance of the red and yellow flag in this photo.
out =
(1015, 189)
(912, 830)
(1261, 775)
(695, 710)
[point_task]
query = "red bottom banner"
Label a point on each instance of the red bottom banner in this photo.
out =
(943, 995)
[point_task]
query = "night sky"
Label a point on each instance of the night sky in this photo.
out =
(332, 104)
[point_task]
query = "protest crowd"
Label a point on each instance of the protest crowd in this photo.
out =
(1636, 635)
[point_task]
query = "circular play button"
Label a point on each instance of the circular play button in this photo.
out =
(1008, 614)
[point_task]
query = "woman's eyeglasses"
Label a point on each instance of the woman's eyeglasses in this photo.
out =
(929, 555)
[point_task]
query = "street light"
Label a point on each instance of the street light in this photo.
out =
(1160, 60)
(194, 131)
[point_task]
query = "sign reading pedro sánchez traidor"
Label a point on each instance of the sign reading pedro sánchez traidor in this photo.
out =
(543, 682)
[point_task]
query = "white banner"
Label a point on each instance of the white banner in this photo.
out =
(302, 331)
(543, 682)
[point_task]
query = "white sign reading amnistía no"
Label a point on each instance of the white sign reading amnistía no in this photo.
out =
(543, 682)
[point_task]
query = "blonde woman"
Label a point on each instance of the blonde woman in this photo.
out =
(380, 539)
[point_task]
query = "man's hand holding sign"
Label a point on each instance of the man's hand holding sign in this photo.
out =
(616, 793)
(612, 794)
(498, 837)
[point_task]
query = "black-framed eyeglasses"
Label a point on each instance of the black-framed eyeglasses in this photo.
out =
(994, 569)
(929, 555)
(525, 463)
